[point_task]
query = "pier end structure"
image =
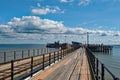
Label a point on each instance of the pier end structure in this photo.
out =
(101, 48)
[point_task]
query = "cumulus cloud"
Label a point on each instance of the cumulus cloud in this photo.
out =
(28, 26)
(66, 1)
(110, 0)
(5, 28)
(45, 10)
(84, 2)
(87, 2)
(33, 24)
(117, 33)
(33, 27)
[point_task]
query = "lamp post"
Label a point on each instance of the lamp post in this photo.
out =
(65, 38)
(87, 39)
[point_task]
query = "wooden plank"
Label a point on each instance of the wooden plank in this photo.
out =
(85, 71)
(53, 72)
(76, 73)
(68, 69)
(73, 67)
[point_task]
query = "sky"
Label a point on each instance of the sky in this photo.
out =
(44, 21)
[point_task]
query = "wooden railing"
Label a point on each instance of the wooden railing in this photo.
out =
(7, 56)
(21, 69)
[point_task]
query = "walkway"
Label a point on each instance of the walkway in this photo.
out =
(73, 67)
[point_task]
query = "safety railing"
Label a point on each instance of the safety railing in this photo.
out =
(99, 70)
(7, 56)
(19, 70)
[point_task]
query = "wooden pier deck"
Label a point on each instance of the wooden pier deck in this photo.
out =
(73, 67)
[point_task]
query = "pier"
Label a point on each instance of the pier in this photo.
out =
(66, 64)
(101, 48)
(74, 67)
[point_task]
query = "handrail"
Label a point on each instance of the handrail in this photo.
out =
(21, 70)
(98, 67)
(7, 56)
(110, 72)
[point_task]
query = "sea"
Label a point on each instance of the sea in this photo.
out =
(111, 61)
(10, 52)
(12, 47)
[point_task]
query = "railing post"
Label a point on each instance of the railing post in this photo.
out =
(33, 52)
(54, 57)
(43, 65)
(49, 59)
(31, 67)
(97, 65)
(41, 50)
(4, 57)
(61, 54)
(116, 78)
(64, 52)
(22, 54)
(102, 73)
(12, 70)
(47, 50)
(94, 63)
(58, 55)
(28, 53)
(14, 55)
(37, 51)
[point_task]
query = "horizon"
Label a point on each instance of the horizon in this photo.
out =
(41, 21)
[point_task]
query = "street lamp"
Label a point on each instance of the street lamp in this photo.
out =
(65, 38)
(87, 39)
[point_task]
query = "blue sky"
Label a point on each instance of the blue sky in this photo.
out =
(23, 21)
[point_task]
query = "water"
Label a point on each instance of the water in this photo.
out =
(112, 61)
(10, 52)
(12, 47)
